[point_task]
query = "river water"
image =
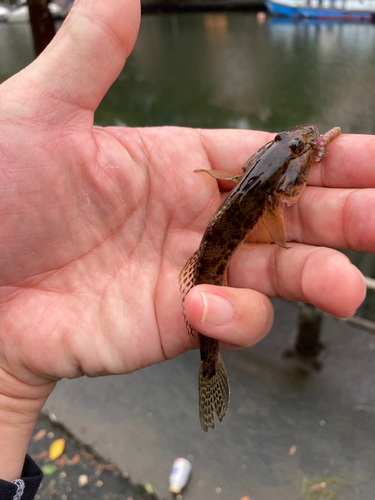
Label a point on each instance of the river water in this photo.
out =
(219, 70)
(230, 70)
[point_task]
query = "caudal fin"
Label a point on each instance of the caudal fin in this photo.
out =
(213, 393)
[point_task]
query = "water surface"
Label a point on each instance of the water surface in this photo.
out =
(228, 70)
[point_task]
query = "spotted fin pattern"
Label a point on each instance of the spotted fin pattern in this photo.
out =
(213, 393)
(186, 280)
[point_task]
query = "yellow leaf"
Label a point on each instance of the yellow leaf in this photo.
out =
(56, 449)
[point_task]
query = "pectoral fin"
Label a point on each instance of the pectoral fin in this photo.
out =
(223, 176)
(258, 236)
(269, 229)
(225, 281)
(275, 226)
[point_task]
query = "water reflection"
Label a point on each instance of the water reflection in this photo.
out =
(229, 70)
(16, 48)
(338, 69)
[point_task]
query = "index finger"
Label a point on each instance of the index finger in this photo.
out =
(229, 150)
(349, 163)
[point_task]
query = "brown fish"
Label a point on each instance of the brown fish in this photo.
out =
(250, 214)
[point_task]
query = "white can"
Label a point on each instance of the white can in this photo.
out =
(179, 476)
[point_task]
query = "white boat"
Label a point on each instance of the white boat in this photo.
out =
(4, 13)
(334, 9)
(21, 14)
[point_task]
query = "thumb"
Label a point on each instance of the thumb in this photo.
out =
(237, 317)
(84, 58)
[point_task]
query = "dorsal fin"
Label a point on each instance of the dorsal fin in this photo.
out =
(221, 175)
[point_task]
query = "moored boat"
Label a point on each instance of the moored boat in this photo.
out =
(334, 9)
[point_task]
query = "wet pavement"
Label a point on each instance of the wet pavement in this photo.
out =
(79, 473)
(290, 433)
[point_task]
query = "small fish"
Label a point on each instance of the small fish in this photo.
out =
(251, 215)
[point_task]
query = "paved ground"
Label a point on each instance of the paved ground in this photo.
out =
(79, 473)
(290, 434)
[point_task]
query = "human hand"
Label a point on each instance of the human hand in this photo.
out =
(97, 224)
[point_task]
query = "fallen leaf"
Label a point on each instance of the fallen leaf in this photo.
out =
(40, 456)
(292, 450)
(48, 469)
(61, 462)
(56, 449)
(75, 460)
(149, 489)
(318, 487)
(39, 435)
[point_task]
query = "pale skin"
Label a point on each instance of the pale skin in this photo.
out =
(97, 223)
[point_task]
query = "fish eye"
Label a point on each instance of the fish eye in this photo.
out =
(297, 146)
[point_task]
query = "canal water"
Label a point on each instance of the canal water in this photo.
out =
(230, 70)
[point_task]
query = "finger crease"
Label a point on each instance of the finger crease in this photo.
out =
(346, 222)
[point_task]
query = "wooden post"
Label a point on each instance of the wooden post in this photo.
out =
(307, 345)
(42, 25)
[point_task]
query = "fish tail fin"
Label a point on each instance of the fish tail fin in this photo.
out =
(213, 392)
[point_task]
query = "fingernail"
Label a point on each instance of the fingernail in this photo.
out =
(217, 310)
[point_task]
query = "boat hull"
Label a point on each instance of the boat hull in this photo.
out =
(294, 9)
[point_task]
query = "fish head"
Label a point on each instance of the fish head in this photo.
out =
(302, 143)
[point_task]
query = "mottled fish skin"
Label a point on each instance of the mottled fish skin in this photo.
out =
(277, 172)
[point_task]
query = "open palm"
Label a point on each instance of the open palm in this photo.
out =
(97, 223)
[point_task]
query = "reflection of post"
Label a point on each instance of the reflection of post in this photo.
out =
(42, 26)
(216, 23)
(306, 345)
